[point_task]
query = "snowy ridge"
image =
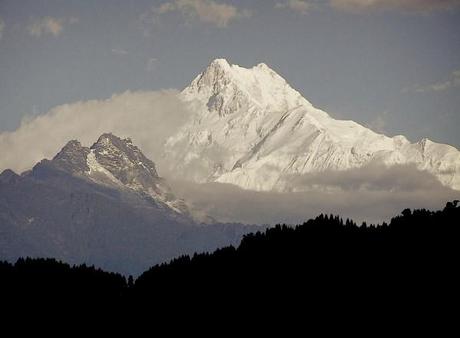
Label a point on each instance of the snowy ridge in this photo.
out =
(251, 129)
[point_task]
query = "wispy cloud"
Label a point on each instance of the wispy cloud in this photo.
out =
(367, 6)
(451, 82)
(300, 6)
(207, 11)
(119, 51)
(414, 6)
(2, 28)
(49, 25)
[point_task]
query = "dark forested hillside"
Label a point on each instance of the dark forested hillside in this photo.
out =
(324, 263)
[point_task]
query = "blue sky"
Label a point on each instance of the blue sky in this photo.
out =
(393, 65)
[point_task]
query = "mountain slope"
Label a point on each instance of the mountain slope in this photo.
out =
(251, 129)
(104, 205)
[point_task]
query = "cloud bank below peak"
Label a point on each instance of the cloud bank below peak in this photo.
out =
(372, 194)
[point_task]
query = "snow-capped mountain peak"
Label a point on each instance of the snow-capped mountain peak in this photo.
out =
(225, 88)
(252, 129)
(124, 160)
(119, 164)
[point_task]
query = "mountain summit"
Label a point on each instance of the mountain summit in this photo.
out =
(226, 88)
(251, 129)
(117, 163)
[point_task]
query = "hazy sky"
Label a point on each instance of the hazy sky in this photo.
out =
(390, 64)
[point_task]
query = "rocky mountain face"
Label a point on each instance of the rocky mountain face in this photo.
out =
(103, 205)
(115, 162)
(251, 129)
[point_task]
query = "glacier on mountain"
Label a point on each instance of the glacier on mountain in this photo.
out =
(251, 129)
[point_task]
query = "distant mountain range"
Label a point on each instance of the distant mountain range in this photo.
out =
(251, 129)
(104, 205)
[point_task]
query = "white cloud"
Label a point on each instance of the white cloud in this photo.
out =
(2, 28)
(206, 11)
(49, 25)
(418, 6)
(436, 87)
(147, 117)
(452, 82)
(299, 6)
